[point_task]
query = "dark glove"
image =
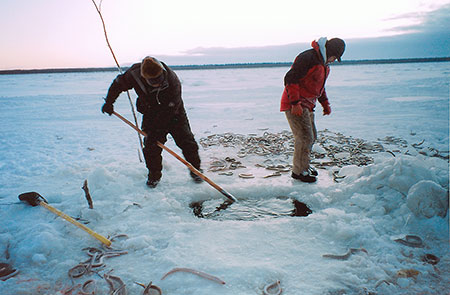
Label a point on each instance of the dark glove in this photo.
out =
(108, 108)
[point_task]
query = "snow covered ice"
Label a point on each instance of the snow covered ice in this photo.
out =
(53, 137)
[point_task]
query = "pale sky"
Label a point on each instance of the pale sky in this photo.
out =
(69, 33)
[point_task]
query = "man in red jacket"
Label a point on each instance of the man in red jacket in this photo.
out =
(304, 85)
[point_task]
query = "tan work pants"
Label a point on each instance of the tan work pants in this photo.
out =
(305, 134)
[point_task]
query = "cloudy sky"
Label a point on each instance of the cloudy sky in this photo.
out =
(69, 33)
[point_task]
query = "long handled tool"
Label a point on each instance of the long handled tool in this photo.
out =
(189, 165)
(35, 199)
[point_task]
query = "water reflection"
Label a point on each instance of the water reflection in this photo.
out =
(250, 209)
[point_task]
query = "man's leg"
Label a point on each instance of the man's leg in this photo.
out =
(184, 139)
(153, 158)
(303, 132)
(312, 170)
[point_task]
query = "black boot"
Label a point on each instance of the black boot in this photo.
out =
(304, 176)
(152, 181)
(195, 177)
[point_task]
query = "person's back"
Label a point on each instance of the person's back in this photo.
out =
(159, 100)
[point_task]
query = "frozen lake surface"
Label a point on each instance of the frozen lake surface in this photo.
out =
(53, 137)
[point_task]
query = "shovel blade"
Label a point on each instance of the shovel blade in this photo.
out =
(32, 198)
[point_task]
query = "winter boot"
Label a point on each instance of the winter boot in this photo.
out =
(152, 182)
(304, 176)
(195, 177)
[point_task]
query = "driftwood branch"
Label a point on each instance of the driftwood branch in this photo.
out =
(87, 194)
(98, 8)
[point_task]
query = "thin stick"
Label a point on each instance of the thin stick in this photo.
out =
(120, 70)
(106, 35)
(87, 194)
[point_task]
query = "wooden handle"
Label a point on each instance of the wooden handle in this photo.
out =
(189, 165)
(74, 222)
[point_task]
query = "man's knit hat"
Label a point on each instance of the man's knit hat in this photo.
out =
(151, 68)
(335, 47)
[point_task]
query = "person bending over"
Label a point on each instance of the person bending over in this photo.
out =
(304, 85)
(159, 100)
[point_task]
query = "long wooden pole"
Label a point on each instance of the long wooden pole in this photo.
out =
(189, 165)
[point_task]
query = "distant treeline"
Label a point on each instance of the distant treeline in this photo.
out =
(231, 66)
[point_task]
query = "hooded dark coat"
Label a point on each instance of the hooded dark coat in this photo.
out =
(163, 113)
(160, 103)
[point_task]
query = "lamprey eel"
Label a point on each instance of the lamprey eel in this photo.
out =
(89, 284)
(411, 241)
(276, 286)
(120, 289)
(346, 255)
(196, 272)
(150, 289)
(95, 260)
(7, 271)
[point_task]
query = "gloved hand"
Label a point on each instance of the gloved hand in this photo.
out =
(326, 108)
(297, 109)
(108, 108)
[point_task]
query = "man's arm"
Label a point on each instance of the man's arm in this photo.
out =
(119, 85)
(323, 100)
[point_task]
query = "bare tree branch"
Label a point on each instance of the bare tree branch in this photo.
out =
(98, 7)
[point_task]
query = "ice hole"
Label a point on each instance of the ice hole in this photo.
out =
(250, 209)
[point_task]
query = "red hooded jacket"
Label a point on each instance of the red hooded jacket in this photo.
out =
(305, 81)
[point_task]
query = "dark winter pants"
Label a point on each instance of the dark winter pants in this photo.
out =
(180, 130)
(305, 134)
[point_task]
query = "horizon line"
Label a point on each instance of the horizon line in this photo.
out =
(226, 65)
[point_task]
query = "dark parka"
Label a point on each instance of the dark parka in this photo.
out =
(159, 105)
(163, 112)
